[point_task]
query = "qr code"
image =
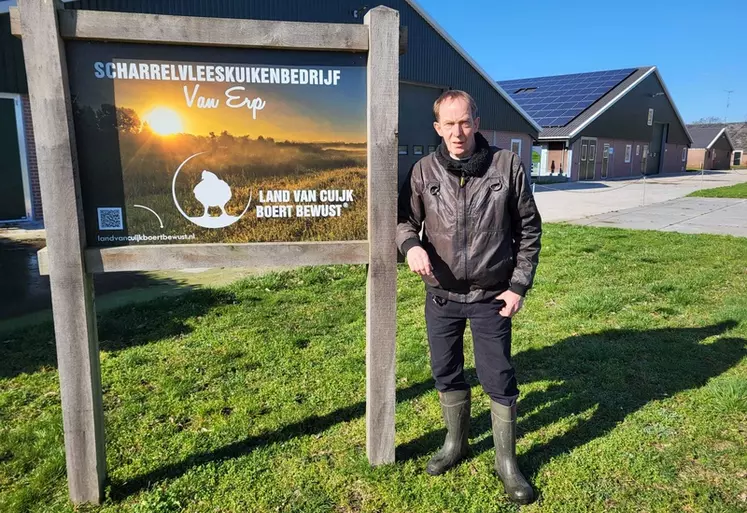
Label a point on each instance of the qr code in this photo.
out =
(110, 218)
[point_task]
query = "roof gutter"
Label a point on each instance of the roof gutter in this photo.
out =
(553, 138)
(472, 62)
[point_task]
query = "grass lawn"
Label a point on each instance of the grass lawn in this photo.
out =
(631, 357)
(732, 191)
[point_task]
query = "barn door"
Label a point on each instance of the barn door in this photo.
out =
(588, 159)
(605, 160)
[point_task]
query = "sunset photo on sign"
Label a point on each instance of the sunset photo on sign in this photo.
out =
(163, 121)
(208, 151)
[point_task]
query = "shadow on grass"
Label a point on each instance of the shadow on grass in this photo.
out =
(616, 371)
(23, 291)
(30, 349)
(307, 426)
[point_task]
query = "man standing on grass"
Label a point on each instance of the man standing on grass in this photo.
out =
(477, 256)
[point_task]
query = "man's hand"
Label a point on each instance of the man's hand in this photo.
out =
(513, 301)
(418, 260)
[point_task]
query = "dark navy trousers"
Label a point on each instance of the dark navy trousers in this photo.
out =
(491, 334)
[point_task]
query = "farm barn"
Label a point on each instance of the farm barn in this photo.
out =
(432, 63)
(604, 124)
(712, 148)
(733, 133)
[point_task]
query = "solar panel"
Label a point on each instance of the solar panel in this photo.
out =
(555, 101)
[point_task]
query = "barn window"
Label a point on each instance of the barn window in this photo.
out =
(637, 149)
(431, 148)
(628, 152)
(417, 149)
(516, 146)
(737, 158)
(684, 154)
(402, 149)
(650, 117)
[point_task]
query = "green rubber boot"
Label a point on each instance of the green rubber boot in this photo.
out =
(504, 437)
(455, 407)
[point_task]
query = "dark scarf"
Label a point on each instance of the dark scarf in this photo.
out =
(475, 165)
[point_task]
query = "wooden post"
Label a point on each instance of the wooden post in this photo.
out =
(383, 99)
(71, 286)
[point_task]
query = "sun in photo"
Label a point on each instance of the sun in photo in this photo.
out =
(164, 121)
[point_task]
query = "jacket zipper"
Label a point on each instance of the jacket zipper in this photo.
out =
(463, 191)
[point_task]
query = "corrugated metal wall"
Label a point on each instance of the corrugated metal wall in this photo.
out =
(12, 70)
(429, 58)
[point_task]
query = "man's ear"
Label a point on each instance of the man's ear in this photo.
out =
(437, 128)
(477, 124)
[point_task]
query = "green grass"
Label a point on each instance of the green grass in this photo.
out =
(732, 191)
(630, 355)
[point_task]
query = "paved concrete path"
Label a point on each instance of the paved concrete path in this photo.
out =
(722, 216)
(577, 200)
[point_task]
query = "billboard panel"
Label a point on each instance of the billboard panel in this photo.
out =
(191, 144)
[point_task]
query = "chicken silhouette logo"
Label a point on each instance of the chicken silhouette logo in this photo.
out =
(211, 192)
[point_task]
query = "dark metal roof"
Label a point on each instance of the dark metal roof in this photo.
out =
(737, 133)
(595, 108)
(703, 136)
(555, 101)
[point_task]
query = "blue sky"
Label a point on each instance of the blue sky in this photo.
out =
(699, 46)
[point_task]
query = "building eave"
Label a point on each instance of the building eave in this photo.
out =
(554, 138)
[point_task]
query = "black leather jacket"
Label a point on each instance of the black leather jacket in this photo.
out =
(482, 237)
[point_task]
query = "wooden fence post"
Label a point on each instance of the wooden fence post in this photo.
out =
(381, 323)
(71, 286)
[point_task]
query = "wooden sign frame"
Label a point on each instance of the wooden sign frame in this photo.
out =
(43, 26)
